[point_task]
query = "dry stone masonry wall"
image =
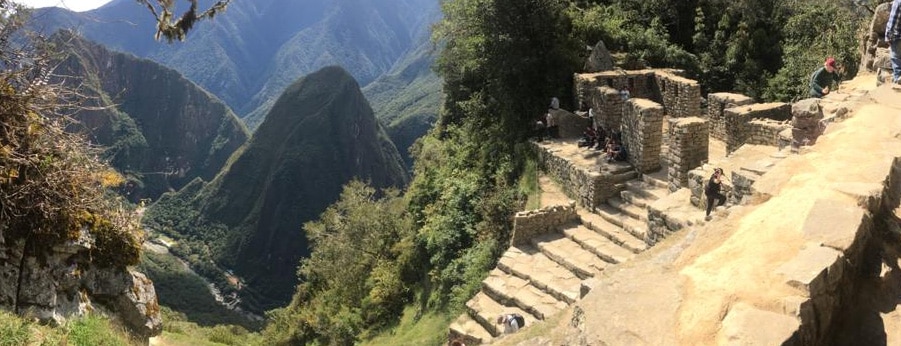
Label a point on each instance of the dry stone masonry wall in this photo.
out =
(643, 133)
(688, 149)
(681, 97)
(531, 223)
(717, 103)
(588, 188)
(738, 121)
(766, 131)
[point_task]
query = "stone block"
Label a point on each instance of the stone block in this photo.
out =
(807, 270)
(833, 223)
(746, 325)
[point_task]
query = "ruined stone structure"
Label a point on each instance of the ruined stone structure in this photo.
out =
(681, 97)
(738, 122)
(532, 223)
(643, 133)
(717, 103)
(688, 148)
(589, 186)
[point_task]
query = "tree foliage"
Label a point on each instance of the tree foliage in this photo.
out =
(176, 28)
(357, 278)
(52, 186)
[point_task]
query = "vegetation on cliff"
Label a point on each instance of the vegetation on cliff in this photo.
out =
(53, 188)
(156, 127)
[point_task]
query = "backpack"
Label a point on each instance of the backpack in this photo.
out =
(519, 320)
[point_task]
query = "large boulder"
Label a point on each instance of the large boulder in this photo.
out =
(875, 39)
(599, 60)
(807, 126)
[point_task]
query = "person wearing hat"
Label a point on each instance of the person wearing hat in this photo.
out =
(823, 78)
(893, 38)
(712, 190)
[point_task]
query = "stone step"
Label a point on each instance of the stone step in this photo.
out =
(469, 331)
(629, 209)
(637, 228)
(635, 198)
(484, 310)
(530, 264)
(511, 290)
(647, 190)
(598, 244)
(615, 167)
(653, 179)
(624, 177)
(569, 254)
(610, 231)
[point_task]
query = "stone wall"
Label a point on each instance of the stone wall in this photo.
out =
(738, 122)
(643, 133)
(531, 223)
(569, 125)
(681, 97)
(665, 216)
(766, 131)
(610, 108)
(588, 188)
(688, 149)
(640, 83)
(716, 104)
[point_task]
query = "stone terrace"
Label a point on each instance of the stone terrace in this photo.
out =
(559, 249)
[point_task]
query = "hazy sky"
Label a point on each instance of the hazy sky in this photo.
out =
(74, 5)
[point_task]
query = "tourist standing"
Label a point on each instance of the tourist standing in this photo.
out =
(893, 38)
(713, 190)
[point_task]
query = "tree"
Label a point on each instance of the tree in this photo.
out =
(176, 28)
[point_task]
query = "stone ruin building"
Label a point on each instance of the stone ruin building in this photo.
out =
(619, 210)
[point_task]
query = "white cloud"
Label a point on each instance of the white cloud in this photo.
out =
(74, 5)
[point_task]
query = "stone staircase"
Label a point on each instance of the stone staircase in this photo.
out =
(549, 273)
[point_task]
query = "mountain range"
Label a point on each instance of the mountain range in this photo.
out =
(156, 127)
(251, 52)
(320, 134)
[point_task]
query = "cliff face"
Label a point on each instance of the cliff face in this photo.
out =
(54, 284)
(157, 128)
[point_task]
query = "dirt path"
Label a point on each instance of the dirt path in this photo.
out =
(551, 193)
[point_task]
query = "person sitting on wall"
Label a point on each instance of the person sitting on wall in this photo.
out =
(589, 138)
(713, 191)
(615, 151)
(823, 78)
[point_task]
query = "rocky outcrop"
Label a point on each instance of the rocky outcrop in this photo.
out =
(56, 284)
(600, 59)
(806, 126)
(874, 45)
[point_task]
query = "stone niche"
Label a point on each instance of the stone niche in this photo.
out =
(717, 103)
(688, 149)
(643, 133)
